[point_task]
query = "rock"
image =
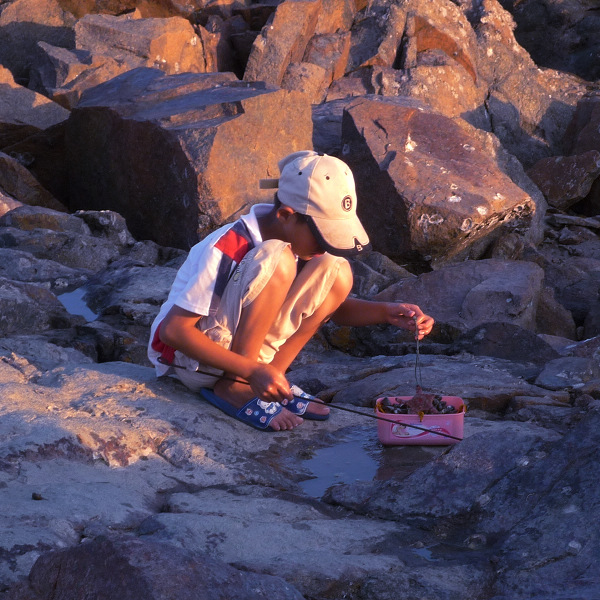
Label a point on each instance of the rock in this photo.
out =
(307, 78)
(462, 296)
(566, 179)
(43, 154)
(18, 265)
(582, 133)
(392, 147)
(282, 41)
(63, 74)
(556, 524)
(499, 448)
(28, 308)
(17, 182)
(23, 112)
(505, 340)
(552, 318)
(208, 124)
(132, 568)
(592, 322)
(376, 35)
(168, 44)
(335, 16)
(541, 101)
(568, 372)
(7, 203)
(558, 35)
(24, 23)
(57, 236)
(330, 51)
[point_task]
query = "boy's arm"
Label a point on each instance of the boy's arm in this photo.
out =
(358, 313)
(178, 330)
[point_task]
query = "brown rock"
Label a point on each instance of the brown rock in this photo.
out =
(552, 318)
(282, 40)
(17, 182)
(336, 16)
(330, 51)
(429, 187)
(24, 112)
(24, 23)
(168, 44)
(564, 180)
(179, 155)
(307, 78)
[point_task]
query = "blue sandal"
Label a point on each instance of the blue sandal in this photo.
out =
(256, 413)
(299, 404)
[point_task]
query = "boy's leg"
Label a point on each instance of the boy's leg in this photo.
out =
(257, 317)
(315, 293)
(322, 285)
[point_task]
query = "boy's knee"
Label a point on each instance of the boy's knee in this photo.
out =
(287, 266)
(344, 279)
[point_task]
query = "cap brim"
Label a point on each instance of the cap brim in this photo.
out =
(340, 238)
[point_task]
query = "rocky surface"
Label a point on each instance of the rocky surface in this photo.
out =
(130, 129)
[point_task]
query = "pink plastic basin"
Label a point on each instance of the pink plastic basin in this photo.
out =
(400, 433)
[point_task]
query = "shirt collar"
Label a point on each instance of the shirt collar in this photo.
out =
(250, 220)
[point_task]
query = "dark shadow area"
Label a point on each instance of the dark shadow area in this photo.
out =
(560, 35)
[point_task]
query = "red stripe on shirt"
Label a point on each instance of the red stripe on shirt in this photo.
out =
(233, 245)
(167, 353)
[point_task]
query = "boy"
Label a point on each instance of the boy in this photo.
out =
(251, 294)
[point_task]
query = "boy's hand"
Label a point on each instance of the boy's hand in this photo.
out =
(269, 384)
(410, 317)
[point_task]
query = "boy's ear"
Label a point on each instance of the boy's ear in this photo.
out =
(284, 212)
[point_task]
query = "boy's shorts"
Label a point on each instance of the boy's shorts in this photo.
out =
(308, 291)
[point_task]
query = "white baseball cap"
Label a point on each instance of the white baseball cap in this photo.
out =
(322, 187)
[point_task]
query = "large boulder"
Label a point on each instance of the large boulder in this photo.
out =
(179, 155)
(24, 112)
(169, 44)
(430, 188)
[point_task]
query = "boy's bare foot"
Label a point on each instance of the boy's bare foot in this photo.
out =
(238, 395)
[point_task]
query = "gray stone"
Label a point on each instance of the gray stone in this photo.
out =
(567, 372)
(136, 568)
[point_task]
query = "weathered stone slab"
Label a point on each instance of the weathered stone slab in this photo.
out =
(568, 372)
(168, 44)
(393, 148)
(564, 180)
(177, 156)
(282, 40)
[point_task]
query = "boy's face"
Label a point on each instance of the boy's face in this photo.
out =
(298, 234)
